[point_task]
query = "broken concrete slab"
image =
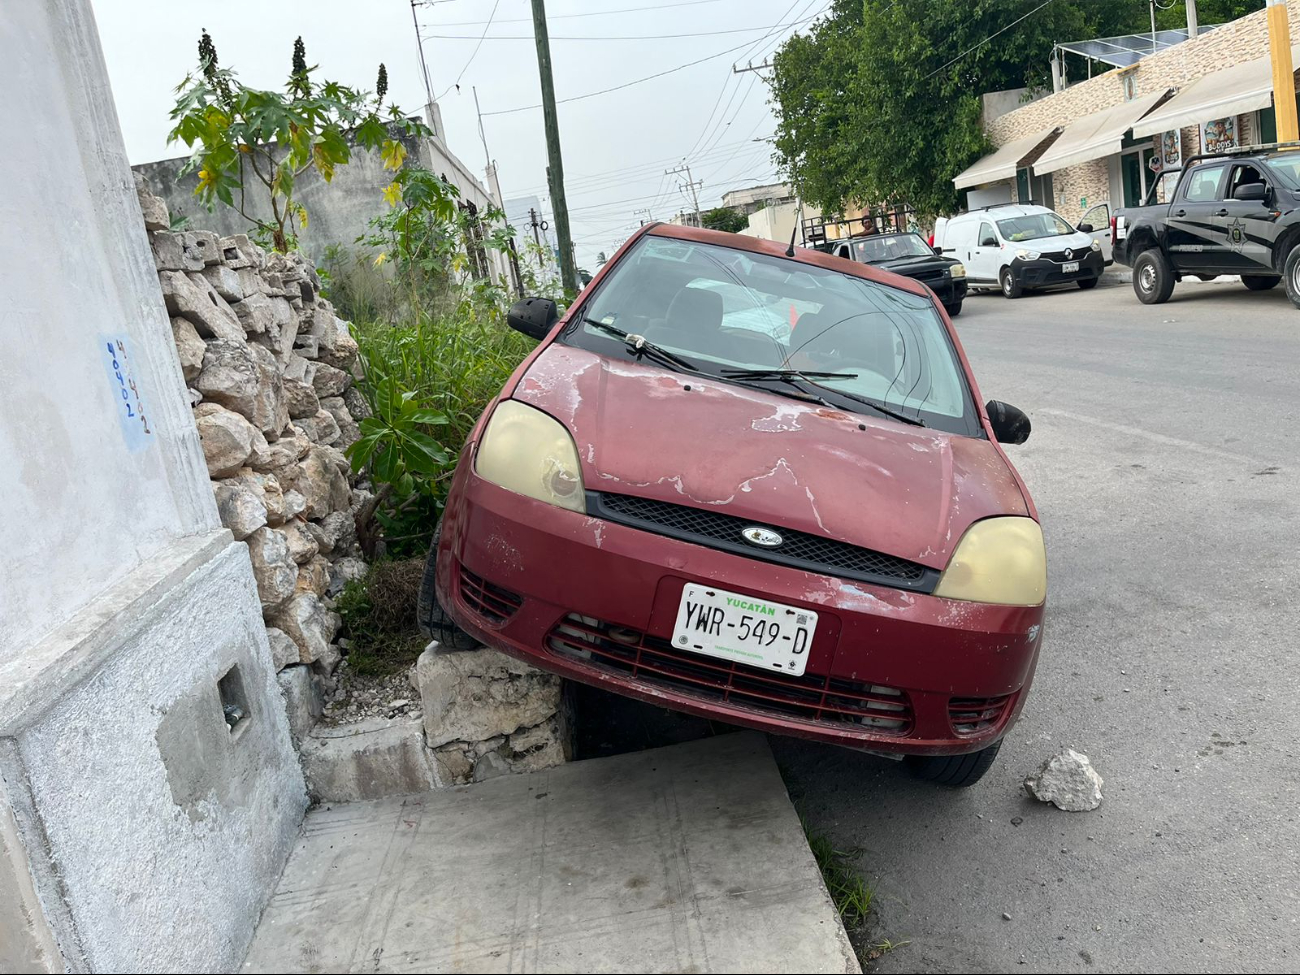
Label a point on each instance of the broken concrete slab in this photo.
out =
(366, 760)
(689, 858)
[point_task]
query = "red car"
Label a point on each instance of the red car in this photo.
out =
(754, 484)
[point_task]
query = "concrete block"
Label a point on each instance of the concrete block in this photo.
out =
(371, 759)
(302, 700)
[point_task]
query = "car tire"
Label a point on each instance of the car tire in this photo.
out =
(1086, 284)
(954, 771)
(1011, 288)
(431, 617)
(1259, 282)
(953, 310)
(1153, 279)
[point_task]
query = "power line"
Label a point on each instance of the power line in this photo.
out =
(617, 37)
(591, 13)
(652, 167)
(1000, 30)
(456, 83)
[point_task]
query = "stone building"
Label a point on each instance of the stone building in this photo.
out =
(1107, 139)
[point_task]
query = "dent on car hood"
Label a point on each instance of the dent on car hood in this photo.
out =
(907, 491)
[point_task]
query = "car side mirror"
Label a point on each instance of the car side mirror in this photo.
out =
(1085, 228)
(989, 242)
(1010, 425)
(533, 316)
(1255, 192)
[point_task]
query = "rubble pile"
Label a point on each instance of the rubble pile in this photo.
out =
(269, 368)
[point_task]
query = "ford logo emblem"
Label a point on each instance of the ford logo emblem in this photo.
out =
(762, 537)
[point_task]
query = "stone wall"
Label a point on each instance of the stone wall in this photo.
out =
(270, 369)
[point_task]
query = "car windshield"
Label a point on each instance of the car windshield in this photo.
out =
(724, 310)
(889, 247)
(1287, 166)
(1032, 226)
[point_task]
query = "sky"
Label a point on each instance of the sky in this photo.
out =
(615, 145)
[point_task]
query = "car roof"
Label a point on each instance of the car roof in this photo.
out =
(1003, 210)
(772, 248)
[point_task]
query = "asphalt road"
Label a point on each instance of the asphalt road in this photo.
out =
(1164, 461)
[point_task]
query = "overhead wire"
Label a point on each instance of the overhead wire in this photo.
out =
(474, 54)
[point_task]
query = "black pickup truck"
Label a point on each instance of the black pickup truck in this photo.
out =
(907, 254)
(1233, 213)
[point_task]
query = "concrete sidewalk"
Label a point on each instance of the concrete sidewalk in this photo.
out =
(680, 859)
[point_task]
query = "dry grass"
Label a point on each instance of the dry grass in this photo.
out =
(379, 617)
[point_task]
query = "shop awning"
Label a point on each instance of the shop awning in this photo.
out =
(1096, 135)
(1242, 88)
(1003, 163)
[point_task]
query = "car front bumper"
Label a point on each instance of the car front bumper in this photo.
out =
(595, 601)
(1044, 272)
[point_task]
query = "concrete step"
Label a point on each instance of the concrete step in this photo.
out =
(687, 858)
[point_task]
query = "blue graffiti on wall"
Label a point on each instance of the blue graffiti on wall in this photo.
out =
(131, 416)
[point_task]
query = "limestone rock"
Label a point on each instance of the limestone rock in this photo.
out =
(1068, 781)
(342, 352)
(301, 400)
(282, 453)
(267, 489)
(302, 546)
(370, 759)
(201, 246)
(322, 484)
(225, 282)
(283, 650)
(474, 695)
(344, 571)
(246, 379)
(349, 431)
(189, 347)
(330, 381)
(255, 314)
(152, 208)
(169, 253)
(541, 746)
(356, 403)
(304, 617)
(302, 697)
(294, 503)
(314, 576)
(276, 573)
(190, 296)
(237, 251)
(239, 508)
(321, 427)
(227, 438)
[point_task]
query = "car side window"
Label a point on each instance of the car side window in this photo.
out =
(986, 231)
(1243, 174)
(1098, 216)
(1202, 185)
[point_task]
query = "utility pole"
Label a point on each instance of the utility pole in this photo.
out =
(751, 66)
(555, 171)
(1279, 45)
(538, 224)
(1193, 24)
(648, 216)
(693, 185)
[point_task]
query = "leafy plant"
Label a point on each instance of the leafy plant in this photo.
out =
(724, 218)
(249, 142)
(850, 894)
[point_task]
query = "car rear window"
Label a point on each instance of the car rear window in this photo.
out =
(722, 308)
(1202, 185)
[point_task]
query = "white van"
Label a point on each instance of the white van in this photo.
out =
(1014, 246)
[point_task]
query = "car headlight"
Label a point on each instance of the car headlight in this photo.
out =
(525, 451)
(1096, 245)
(998, 560)
(957, 270)
(1025, 254)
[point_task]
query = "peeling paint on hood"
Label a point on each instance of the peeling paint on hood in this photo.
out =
(907, 491)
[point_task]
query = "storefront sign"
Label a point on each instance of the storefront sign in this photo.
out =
(1219, 135)
(1171, 148)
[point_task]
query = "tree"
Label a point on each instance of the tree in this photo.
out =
(724, 218)
(880, 103)
(236, 132)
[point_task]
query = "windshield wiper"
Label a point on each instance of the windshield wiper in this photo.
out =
(640, 345)
(789, 375)
(915, 421)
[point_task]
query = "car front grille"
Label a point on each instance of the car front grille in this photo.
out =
(929, 277)
(653, 661)
(812, 553)
(494, 603)
(976, 715)
(1078, 254)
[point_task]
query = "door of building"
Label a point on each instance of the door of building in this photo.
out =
(1135, 169)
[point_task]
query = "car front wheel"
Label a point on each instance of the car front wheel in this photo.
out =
(1291, 275)
(953, 309)
(1010, 286)
(1153, 279)
(431, 617)
(1259, 282)
(954, 771)
(1086, 283)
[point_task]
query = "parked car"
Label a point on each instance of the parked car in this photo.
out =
(1233, 213)
(819, 536)
(1095, 222)
(1019, 246)
(909, 255)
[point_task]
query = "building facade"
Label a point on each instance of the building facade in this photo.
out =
(1104, 142)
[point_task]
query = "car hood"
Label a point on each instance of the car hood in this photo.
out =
(645, 431)
(913, 263)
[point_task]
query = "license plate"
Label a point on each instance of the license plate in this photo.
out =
(743, 629)
(1070, 266)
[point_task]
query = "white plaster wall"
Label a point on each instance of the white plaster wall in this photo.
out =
(169, 832)
(88, 495)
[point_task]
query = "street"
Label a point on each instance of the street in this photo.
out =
(1163, 462)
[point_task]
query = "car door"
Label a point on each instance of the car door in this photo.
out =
(1245, 223)
(1098, 218)
(985, 255)
(1193, 245)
